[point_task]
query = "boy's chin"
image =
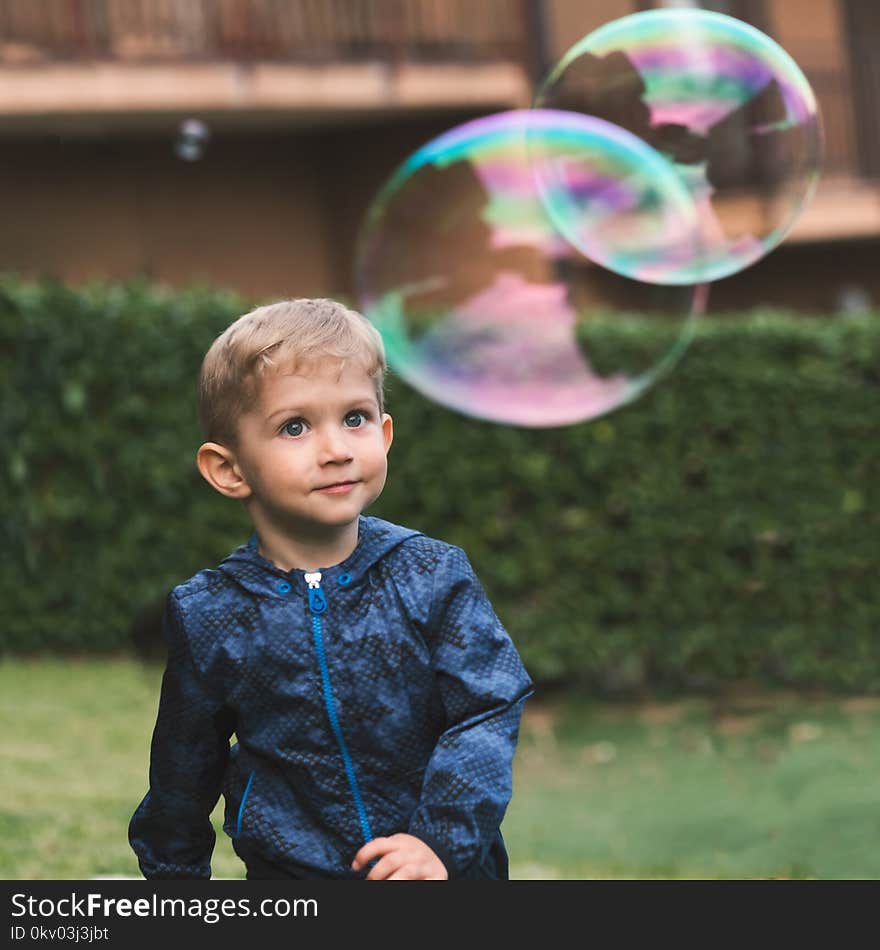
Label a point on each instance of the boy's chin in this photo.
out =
(341, 519)
(338, 523)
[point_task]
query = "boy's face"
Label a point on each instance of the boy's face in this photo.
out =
(313, 450)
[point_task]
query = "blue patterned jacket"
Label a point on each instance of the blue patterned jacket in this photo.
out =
(378, 696)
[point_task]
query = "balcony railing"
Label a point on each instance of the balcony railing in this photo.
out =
(36, 31)
(834, 97)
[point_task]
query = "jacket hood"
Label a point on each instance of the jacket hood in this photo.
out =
(250, 570)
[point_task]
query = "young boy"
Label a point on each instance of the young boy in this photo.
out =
(374, 694)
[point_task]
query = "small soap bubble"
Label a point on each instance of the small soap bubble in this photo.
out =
(718, 99)
(485, 308)
(193, 136)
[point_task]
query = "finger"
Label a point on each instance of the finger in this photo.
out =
(403, 874)
(385, 868)
(372, 849)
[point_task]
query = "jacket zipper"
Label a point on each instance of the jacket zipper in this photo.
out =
(317, 605)
(241, 806)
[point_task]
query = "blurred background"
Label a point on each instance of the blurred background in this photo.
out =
(689, 580)
(311, 105)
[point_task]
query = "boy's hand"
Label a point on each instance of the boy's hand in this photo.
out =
(402, 857)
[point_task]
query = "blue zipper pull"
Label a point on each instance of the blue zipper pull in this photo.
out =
(317, 600)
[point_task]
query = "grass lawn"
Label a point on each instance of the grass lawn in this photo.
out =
(753, 785)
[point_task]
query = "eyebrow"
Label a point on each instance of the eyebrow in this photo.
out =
(286, 412)
(296, 411)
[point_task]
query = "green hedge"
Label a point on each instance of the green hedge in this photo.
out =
(723, 526)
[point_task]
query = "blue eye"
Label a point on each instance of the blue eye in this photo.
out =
(294, 427)
(355, 419)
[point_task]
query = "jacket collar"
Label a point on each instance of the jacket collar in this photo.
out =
(260, 576)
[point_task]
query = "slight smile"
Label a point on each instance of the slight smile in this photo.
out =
(338, 488)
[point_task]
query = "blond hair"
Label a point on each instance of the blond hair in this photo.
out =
(282, 336)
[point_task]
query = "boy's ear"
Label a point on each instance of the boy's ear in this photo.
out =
(220, 470)
(387, 431)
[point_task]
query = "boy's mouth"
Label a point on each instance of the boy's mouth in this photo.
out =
(337, 488)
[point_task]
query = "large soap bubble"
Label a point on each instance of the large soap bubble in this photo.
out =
(614, 197)
(485, 308)
(722, 101)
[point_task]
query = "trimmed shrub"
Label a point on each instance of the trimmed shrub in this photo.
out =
(723, 526)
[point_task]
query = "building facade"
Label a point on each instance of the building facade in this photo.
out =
(309, 105)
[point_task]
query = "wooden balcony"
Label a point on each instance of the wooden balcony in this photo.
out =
(285, 30)
(305, 59)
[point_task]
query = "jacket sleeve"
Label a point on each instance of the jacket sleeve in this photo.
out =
(482, 684)
(171, 831)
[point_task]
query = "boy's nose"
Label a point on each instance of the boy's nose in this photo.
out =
(333, 447)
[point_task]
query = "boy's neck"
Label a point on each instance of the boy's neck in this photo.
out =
(308, 553)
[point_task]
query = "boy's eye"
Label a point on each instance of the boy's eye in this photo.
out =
(294, 427)
(355, 419)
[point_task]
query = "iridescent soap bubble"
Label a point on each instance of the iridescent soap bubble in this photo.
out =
(193, 136)
(720, 100)
(485, 308)
(613, 196)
